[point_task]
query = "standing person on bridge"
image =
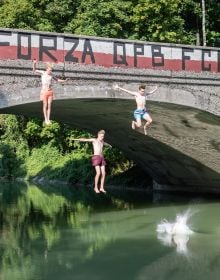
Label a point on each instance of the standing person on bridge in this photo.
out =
(46, 94)
(98, 160)
(141, 111)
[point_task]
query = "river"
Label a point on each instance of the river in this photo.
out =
(63, 232)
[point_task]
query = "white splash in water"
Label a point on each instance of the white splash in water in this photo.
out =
(177, 232)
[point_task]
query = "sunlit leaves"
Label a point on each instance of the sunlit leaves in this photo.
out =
(102, 18)
(177, 21)
(38, 15)
(16, 14)
(158, 21)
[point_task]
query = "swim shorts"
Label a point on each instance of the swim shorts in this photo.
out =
(98, 160)
(140, 113)
(46, 94)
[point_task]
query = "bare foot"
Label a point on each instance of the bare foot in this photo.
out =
(96, 190)
(102, 190)
(133, 125)
(145, 130)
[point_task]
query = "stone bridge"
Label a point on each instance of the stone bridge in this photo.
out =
(182, 148)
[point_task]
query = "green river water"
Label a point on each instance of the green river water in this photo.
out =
(61, 232)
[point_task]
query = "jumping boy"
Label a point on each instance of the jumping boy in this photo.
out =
(98, 160)
(141, 111)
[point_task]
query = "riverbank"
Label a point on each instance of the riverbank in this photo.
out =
(32, 151)
(132, 179)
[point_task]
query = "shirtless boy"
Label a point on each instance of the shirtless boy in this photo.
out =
(46, 94)
(141, 112)
(98, 160)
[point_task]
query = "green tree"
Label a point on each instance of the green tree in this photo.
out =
(17, 14)
(102, 18)
(191, 12)
(213, 22)
(14, 147)
(159, 21)
(42, 15)
(54, 15)
(10, 164)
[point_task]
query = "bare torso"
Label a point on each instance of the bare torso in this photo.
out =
(46, 80)
(140, 100)
(97, 147)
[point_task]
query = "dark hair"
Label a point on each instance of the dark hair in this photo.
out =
(142, 87)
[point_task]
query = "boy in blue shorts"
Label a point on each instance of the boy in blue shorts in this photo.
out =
(141, 112)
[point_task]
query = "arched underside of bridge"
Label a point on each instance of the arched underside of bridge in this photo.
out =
(180, 152)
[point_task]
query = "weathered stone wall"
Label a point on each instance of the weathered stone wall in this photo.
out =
(18, 84)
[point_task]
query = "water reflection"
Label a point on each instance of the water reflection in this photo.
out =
(34, 220)
(68, 233)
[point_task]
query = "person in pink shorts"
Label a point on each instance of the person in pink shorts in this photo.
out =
(98, 160)
(47, 94)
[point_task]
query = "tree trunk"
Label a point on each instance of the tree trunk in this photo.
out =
(203, 23)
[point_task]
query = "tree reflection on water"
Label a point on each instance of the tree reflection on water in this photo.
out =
(36, 221)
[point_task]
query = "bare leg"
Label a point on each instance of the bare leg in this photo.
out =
(45, 112)
(49, 103)
(102, 179)
(136, 123)
(97, 169)
(148, 120)
(133, 124)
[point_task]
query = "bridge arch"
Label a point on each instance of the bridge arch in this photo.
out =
(182, 150)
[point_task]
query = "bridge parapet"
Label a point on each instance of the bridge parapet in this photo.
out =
(66, 48)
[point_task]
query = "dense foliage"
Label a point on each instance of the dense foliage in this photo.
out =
(177, 21)
(28, 149)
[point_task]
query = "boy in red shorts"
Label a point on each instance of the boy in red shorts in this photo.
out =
(98, 160)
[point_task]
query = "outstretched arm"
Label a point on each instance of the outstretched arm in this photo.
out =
(34, 67)
(125, 90)
(107, 145)
(153, 90)
(62, 81)
(84, 139)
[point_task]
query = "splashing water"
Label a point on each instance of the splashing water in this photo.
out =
(177, 232)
